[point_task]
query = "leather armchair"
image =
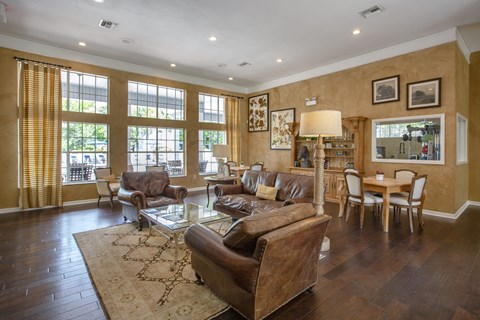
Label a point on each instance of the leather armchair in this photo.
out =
(263, 261)
(150, 189)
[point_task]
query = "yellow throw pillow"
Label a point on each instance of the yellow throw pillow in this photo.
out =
(110, 178)
(267, 193)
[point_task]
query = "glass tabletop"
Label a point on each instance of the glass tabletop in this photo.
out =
(180, 216)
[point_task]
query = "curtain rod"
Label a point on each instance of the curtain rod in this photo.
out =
(227, 95)
(41, 62)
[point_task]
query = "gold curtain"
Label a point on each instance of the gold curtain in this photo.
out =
(233, 127)
(40, 111)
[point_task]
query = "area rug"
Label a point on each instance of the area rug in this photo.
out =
(131, 272)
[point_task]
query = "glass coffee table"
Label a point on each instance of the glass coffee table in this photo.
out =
(171, 221)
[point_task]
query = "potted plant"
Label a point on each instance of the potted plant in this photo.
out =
(242, 164)
(379, 175)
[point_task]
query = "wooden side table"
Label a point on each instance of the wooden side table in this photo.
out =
(217, 180)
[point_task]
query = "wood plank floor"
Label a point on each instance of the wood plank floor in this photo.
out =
(367, 274)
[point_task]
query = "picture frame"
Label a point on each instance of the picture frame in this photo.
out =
(424, 94)
(258, 113)
(386, 90)
(280, 134)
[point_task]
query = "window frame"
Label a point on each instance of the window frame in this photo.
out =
(219, 114)
(67, 94)
(156, 105)
(155, 143)
(462, 139)
(212, 162)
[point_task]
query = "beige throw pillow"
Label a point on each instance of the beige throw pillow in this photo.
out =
(267, 193)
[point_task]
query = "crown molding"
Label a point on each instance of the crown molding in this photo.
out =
(462, 45)
(71, 55)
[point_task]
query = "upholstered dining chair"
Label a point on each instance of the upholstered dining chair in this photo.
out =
(155, 168)
(232, 163)
(342, 191)
(107, 184)
(414, 200)
(256, 167)
(224, 170)
(356, 197)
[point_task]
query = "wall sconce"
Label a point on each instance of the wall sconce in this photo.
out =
(311, 102)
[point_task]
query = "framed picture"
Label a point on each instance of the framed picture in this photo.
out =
(258, 113)
(385, 90)
(280, 135)
(423, 94)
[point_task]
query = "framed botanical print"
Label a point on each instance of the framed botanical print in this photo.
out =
(423, 94)
(280, 135)
(385, 90)
(258, 113)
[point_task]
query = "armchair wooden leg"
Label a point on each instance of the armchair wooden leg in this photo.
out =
(98, 201)
(349, 208)
(362, 215)
(111, 201)
(410, 218)
(199, 280)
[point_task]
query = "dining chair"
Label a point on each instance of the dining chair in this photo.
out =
(414, 200)
(107, 184)
(356, 197)
(342, 191)
(224, 170)
(155, 168)
(402, 174)
(256, 167)
(232, 163)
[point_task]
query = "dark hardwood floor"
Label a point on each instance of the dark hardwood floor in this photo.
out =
(367, 273)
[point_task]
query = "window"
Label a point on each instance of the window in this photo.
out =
(207, 138)
(418, 139)
(152, 101)
(211, 108)
(84, 147)
(83, 92)
(156, 146)
(462, 139)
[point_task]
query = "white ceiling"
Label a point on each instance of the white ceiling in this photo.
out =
(306, 34)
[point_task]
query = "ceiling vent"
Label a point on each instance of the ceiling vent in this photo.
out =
(372, 11)
(107, 24)
(244, 64)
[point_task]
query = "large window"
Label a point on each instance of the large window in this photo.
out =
(156, 146)
(152, 101)
(211, 108)
(84, 147)
(83, 92)
(207, 138)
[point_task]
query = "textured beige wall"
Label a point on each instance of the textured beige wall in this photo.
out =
(462, 106)
(474, 128)
(117, 119)
(350, 92)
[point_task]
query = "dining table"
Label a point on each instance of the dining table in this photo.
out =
(386, 187)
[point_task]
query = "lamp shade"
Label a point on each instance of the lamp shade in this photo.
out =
(326, 123)
(221, 151)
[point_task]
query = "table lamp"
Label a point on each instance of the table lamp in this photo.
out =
(221, 152)
(321, 123)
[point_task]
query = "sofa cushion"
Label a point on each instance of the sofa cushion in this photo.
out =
(243, 234)
(251, 179)
(242, 202)
(151, 183)
(291, 186)
(135, 181)
(267, 193)
(159, 201)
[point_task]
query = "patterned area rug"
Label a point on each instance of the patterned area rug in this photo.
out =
(131, 271)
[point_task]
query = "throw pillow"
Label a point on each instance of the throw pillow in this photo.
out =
(110, 178)
(267, 193)
(243, 234)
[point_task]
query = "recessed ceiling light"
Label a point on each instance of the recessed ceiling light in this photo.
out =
(356, 31)
(82, 44)
(128, 41)
(279, 60)
(230, 78)
(212, 38)
(173, 65)
(99, 1)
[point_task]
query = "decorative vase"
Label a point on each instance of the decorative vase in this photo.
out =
(379, 177)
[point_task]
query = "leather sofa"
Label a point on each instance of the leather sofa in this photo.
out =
(263, 261)
(241, 200)
(149, 189)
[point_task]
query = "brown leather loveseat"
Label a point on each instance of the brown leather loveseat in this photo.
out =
(263, 261)
(242, 199)
(149, 189)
